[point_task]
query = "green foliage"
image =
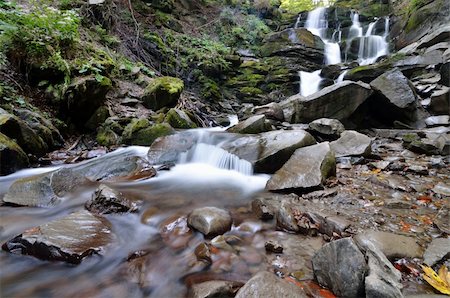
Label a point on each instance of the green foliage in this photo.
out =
(296, 6)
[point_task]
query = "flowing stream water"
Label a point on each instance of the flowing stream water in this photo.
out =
(207, 175)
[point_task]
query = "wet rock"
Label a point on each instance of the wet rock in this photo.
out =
(12, 157)
(383, 280)
(48, 189)
(274, 247)
(427, 146)
(278, 146)
(203, 253)
(69, 239)
(338, 101)
(247, 147)
(167, 149)
(214, 288)
(265, 284)
(252, 125)
(106, 200)
(352, 143)
(307, 168)
(175, 232)
(16, 129)
(42, 127)
(179, 119)
(438, 120)
(142, 132)
(261, 210)
(392, 245)
(210, 221)
(286, 220)
(83, 97)
(437, 250)
(341, 267)
(162, 92)
(271, 111)
(442, 188)
(330, 128)
(440, 101)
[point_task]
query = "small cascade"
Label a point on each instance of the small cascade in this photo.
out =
(341, 76)
(355, 30)
(309, 82)
(373, 46)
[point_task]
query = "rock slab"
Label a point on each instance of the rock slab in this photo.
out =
(352, 143)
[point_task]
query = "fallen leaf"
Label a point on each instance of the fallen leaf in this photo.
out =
(435, 280)
(425, 199)
(405, 227)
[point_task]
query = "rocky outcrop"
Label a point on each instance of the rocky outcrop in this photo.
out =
(307, 168)
(70, 239)
(265, 284)
(338, 102)
(12, 157)
(341, 267)
(162, 92)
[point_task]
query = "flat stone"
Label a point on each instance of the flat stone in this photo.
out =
(210, 221)
(352, 143)
(307, 168)
(438, 249)
(392, 245)
(327, 127)
(437, 120)
(252, 125)
(265, 284)
(214, 288)
(69, 239)
(341, 267)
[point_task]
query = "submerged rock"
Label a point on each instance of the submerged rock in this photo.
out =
(106, 200)
(341, 267)
(266, 284)
(252, 125)
(352, 143)
(307, 168)
(69, 239)
(167, 149)
(210, 221)
(12, 157)
(278, 146)
(338, 101)
(48, 189)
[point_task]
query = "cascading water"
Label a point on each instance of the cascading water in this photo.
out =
(309, 82)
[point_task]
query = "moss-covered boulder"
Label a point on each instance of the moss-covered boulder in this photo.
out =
(179, 119)
(142, 132)
(99, 116)
(83, 97)
(12, 157)
(162, 92)
(25, 137)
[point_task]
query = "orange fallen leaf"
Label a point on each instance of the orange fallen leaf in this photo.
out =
(311, 288)
(424, 199)
(440, 282)
(426, 220)
(405, 227)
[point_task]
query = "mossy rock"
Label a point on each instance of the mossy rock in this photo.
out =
(162, 92)
(250, 91)
(179, 119)
(12, 157)
(141, 132)
(25, 137)
(99, 116)
(107, 137)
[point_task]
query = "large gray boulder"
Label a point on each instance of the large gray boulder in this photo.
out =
(48, 189)
(265, 284)
(338, 101)
(325, 127)
(69, 239)
(440, 101)
(168, 149)
(341, 267)
(307, 168)
(278, 146)
(352, 143)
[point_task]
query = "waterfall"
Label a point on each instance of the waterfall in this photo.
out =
(309, 82)
(371, 46)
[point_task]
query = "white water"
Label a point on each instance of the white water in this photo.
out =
(317, 24)
(341, 76)
(309, 82)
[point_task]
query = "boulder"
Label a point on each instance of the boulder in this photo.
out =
(214, 288)
(440, 101)
(437, 250)
(142, 132)
(24, 136)
(352, 143)
(179, 119)
(252, 125)
(83, 97)
(338, 101)
(167, 149)
(210, 221)
(162, 92)
(246, 147)
(307, 168)
(106, 200)
(383, 280)
(265, 284)
(294, 36)
(341, 267)
(329, 128)
(69, 239)
(278, 146)
(392, 245)
(48, 189)
(12, 157)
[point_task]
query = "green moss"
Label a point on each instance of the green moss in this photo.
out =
(250, 91)
(147, 135)
(162, 92)
(179, 119)
(107, 137)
